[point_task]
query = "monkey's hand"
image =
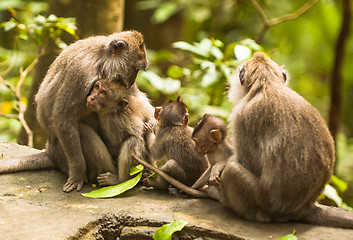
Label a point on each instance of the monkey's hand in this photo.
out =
(148, 127)
(73, 183)
(107, 179)
(214, 181)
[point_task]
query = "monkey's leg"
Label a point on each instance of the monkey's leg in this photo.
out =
(173, 169)
(97, 157)
(242, 191)
(132, 145)
(69, 137)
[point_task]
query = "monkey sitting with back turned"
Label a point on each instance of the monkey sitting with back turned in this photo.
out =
(173, 139)
(283, 152)
(122, 114)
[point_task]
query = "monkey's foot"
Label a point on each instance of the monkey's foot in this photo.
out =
(107, 179)
(150, 182)
(70, 185)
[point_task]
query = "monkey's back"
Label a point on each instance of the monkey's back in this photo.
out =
(285, 143)
(180, 147)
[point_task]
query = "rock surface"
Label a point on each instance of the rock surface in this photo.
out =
(33, 206)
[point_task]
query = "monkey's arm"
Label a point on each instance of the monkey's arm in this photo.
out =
(157, 149)
(216, 172)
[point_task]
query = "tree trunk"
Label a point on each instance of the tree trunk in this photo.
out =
(92, 18)
(336, 77)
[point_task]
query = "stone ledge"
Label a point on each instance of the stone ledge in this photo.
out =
(32, 206)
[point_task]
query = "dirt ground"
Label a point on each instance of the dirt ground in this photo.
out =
(33, 206)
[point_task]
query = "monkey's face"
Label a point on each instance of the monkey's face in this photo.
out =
(206, 140)
(106, 97)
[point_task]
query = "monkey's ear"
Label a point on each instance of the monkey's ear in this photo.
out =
(157, 111)
(242, 75)
(216, 135)
(116, 46)
(186, 119)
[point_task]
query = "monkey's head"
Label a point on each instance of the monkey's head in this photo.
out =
(107, 96)
(254, 74)
(123, 56)
(209, 132)
(261, 69)
(173, 113)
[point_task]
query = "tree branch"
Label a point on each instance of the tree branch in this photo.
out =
(17, 92)
(336, 77)
(269, 23)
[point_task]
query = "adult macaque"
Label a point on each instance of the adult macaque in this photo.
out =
(283, 152)
(61, 103)
(122, 115)
(210, 137)
(173, 140)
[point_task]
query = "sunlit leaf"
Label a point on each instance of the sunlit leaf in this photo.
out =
(166, 231)
(250, 43)
(9, 26)
(136, 169)
(331, 193)
(165, 11)
(112, 191)
(6, 107)
(166, 85)
(191, 48)
(289, 237)
(175, 72)
(242, 52)
(342, 186)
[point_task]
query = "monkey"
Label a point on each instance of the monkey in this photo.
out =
(210, 137)
(173, 140)
(61, 105)
(122, 115)
(283, 153)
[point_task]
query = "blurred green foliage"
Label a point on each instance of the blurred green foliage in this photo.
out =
(28, 31)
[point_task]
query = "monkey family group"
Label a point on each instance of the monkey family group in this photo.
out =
(272, 166)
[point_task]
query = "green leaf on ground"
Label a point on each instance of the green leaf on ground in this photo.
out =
(166, 231)
(289, 237)
(112, 191)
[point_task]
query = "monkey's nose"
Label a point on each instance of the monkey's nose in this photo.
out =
(116, 46)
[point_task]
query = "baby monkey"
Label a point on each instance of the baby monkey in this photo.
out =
(210, 137)
(173, 140)
(121, 114)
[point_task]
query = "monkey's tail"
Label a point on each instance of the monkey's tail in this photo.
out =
(329, 216)
(36, 161)
(174, 182)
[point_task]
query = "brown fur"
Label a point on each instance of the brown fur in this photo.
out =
(210, 137)
(121, 114)
(173, 140)
(61, 101)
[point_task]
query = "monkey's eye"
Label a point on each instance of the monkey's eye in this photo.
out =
(97, 87)
(104, 93)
